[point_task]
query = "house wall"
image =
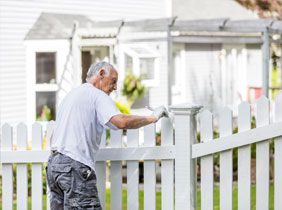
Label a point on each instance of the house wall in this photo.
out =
(178, 74)
(17, 17)
(254, 73)
(202, 74)
(234, 68)
(205, 9)
(254, 65)
(158, 94)
(216, 75)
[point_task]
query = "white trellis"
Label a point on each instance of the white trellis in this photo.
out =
(178, 153)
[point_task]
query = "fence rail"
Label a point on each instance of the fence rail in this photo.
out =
(179, 154)
(241, 139)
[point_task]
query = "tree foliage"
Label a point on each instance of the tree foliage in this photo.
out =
(264, 8)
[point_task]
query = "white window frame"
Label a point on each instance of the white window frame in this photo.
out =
(60, 47)
(127, 49)
(46, 87)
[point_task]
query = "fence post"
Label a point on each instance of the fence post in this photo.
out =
(185, 166)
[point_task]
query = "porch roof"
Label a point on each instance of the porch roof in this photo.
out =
(59, 26)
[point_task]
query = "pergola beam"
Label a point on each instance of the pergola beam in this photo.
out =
(169, 60)
(265, 62)
(217, 40)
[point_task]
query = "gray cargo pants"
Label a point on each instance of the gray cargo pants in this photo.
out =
(72, 184)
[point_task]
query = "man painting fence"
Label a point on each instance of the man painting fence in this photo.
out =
(81, 119)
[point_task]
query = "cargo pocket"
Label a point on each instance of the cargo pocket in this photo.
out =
(85, 181)
(62, 176)
(86, 173)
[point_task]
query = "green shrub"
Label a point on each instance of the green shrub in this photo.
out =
(133, 88)
(46, 114)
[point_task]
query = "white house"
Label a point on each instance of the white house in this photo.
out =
(39, 62)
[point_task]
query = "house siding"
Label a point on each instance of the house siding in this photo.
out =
(195, 9)
(18, 16)
(220, 75)
(158, 95)
(254, 73)
(202, 74)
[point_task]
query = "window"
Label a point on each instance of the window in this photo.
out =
(142, 60)
(128, 63)
(45, 86)
(45, 105)
(45, 68)
(147, 69)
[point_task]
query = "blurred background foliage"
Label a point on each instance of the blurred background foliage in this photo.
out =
(132, 88)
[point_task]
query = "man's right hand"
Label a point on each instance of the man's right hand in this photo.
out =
(160, 112)
(122, 121)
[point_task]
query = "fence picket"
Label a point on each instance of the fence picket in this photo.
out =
(36, 177)
(133, 173)
(100, 168)
(206, 129)
(278, 156)
(149, 170)
(22, 179)
(167, 172)
(244, 159)
(116, 176)
(49, 132)
(7, 169)
(262, 157)
(226, 161)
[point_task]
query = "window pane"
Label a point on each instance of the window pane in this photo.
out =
(45, 105)
(147, 70)
(46, 68)
(128, 63)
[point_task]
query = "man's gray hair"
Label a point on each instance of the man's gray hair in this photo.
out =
(95, 68)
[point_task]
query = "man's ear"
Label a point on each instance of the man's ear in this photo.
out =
(102, 73)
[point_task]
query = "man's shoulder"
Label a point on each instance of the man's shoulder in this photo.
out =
(90, 91)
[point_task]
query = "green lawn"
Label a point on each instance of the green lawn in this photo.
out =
(158, 197)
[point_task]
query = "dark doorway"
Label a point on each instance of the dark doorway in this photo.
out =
(86, 63)
(91, 55)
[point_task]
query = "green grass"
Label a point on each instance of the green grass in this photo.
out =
(158, 199)
(235, 198)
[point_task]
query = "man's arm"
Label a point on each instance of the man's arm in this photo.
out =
(123, 121)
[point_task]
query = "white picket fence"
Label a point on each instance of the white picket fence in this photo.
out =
(179, 152)
(133, 153)
(261, 136)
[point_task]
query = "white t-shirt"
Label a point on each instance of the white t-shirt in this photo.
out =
(81, 119)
